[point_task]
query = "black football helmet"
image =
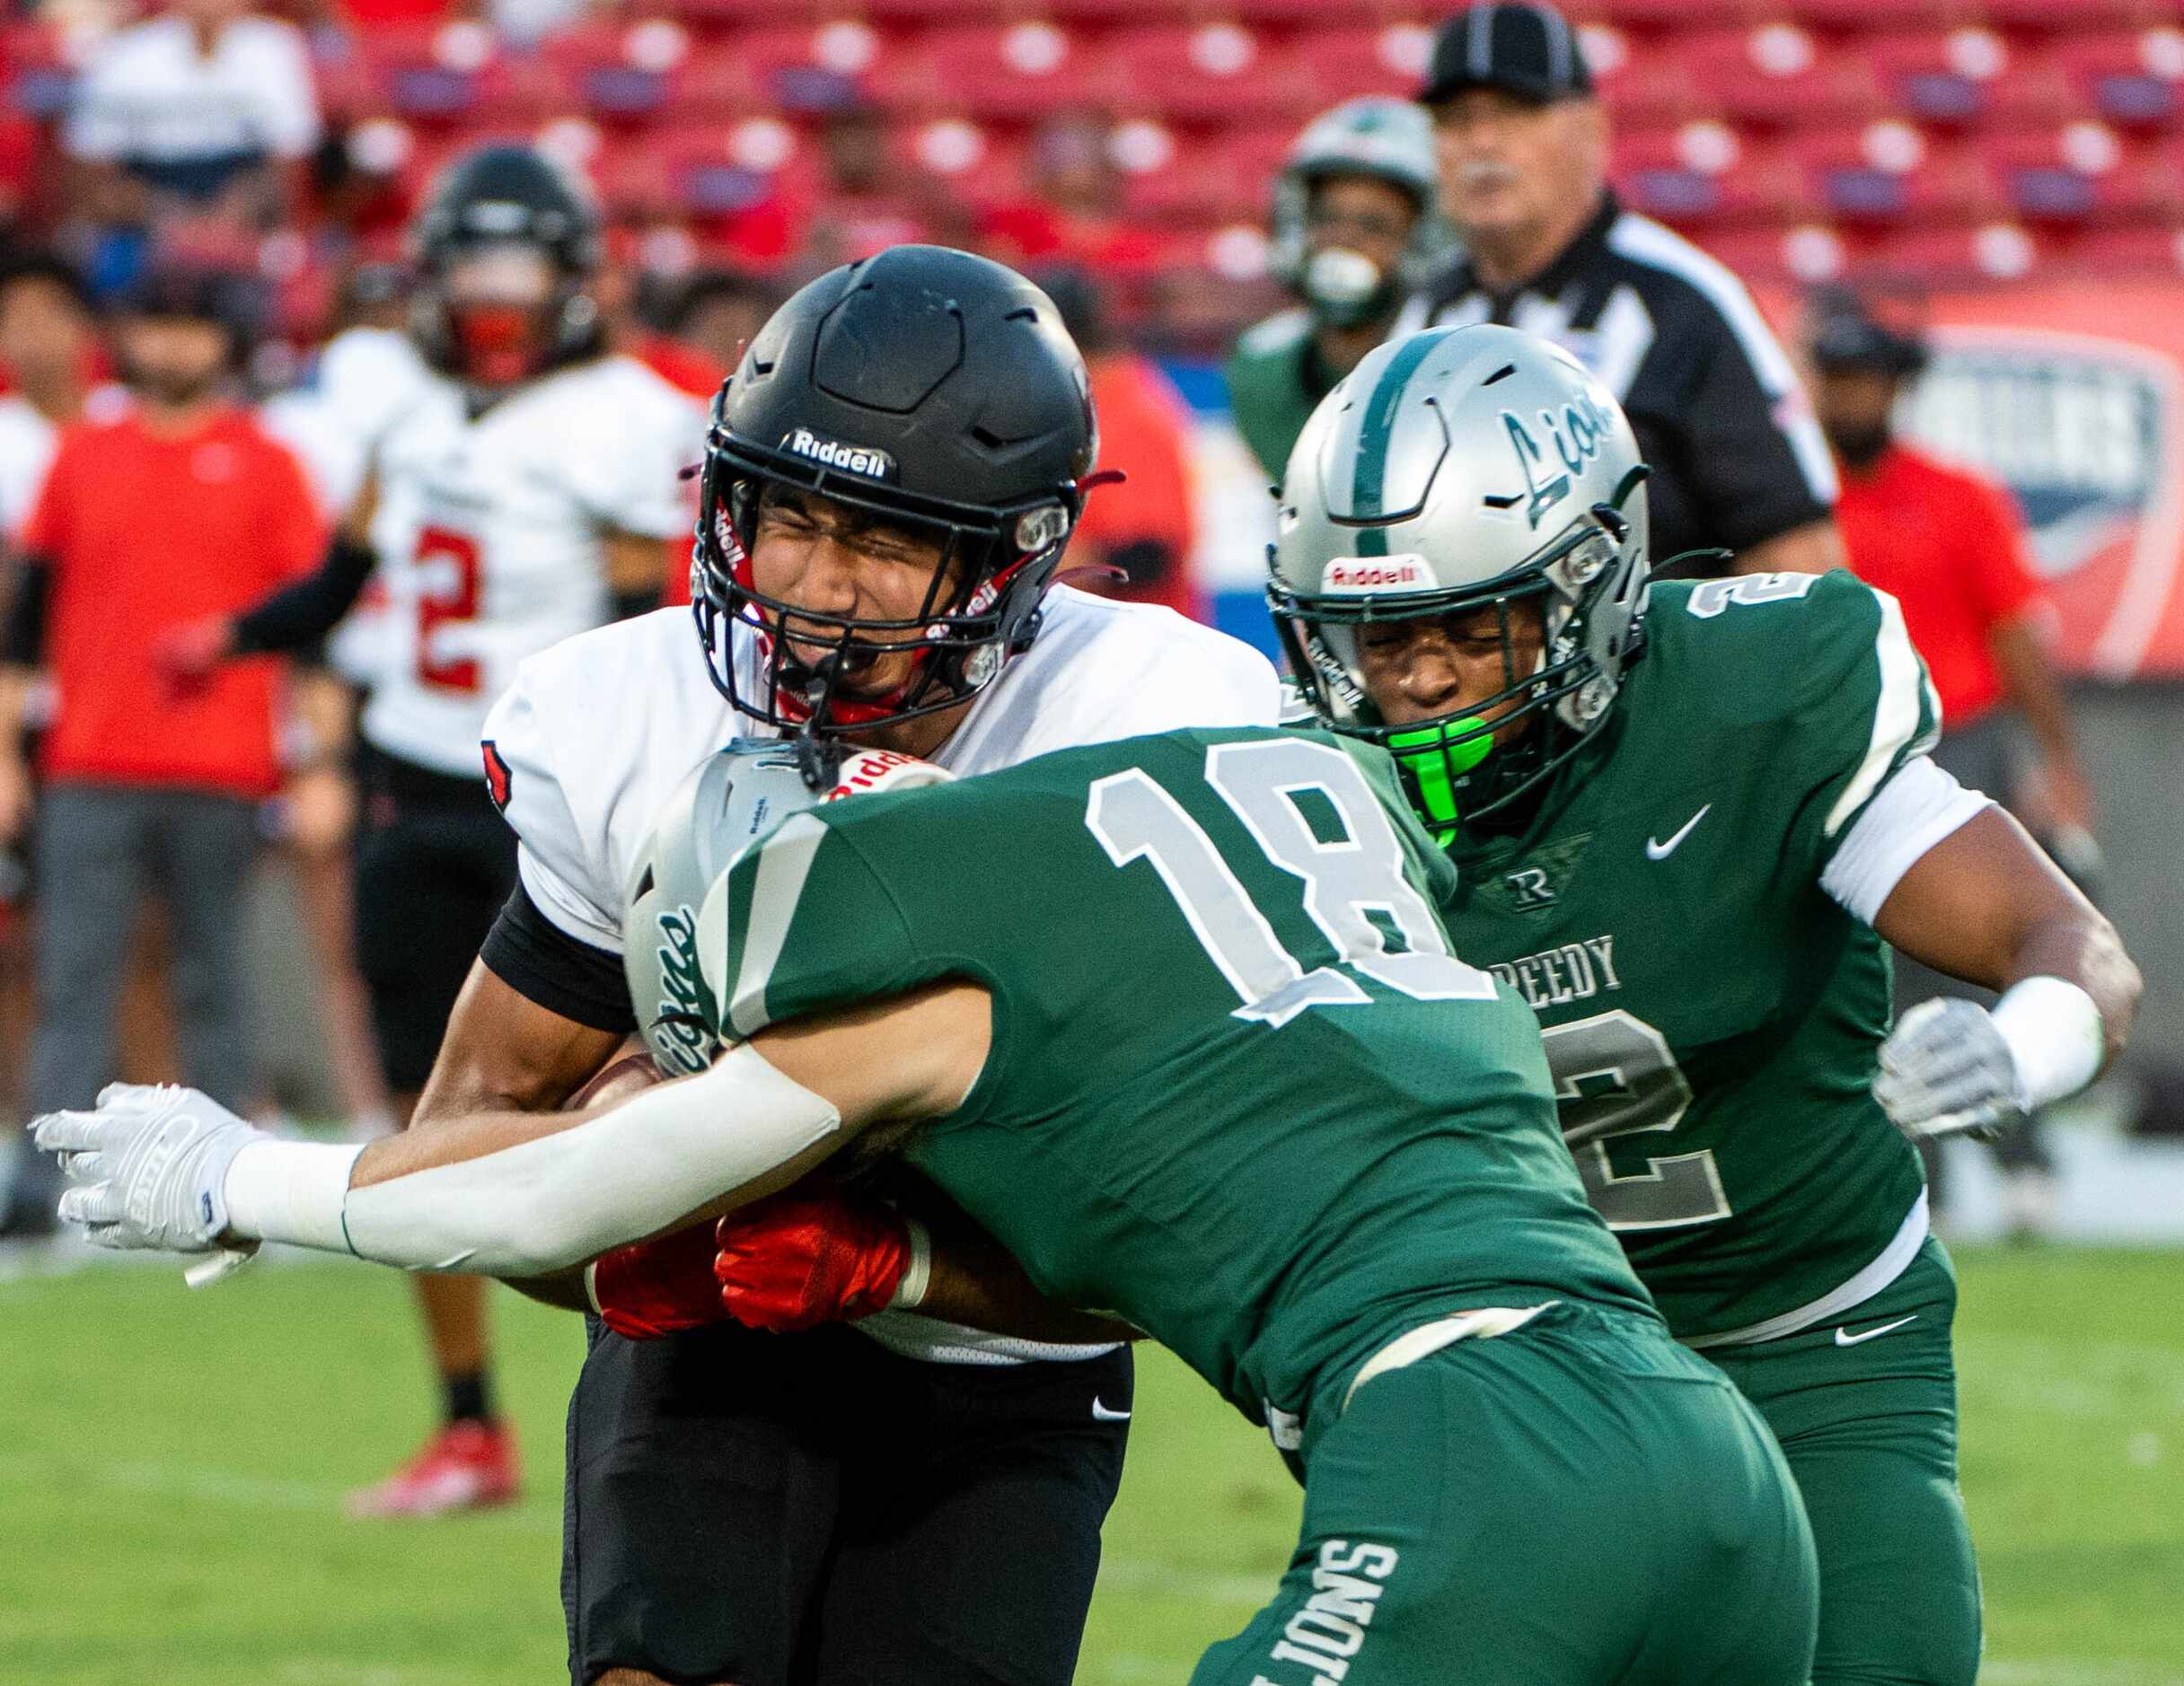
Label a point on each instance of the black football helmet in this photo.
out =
(506, 195)
(933, 390)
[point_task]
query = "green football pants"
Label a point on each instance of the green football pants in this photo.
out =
(1579, 1503)
(1865, 1409)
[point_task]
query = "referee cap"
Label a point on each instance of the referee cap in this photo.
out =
(1525, 48)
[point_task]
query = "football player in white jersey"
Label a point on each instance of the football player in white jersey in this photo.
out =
(519, 482)
(891, 478)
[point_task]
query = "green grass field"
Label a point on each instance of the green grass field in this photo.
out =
(171, 1466)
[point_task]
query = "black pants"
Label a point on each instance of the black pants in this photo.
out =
(434, 864)
(813, 1510)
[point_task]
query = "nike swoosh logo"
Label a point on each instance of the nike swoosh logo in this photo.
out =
(1101, 1414)
(1844, 1338)
(1661, 851)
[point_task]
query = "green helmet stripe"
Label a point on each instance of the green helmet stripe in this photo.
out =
(1368, 475)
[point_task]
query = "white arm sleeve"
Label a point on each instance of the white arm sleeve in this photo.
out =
(1908, 816)
(547, 1204)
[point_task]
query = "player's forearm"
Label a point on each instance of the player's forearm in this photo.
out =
(2081, 948)
(531, 1194)
(977, 1282)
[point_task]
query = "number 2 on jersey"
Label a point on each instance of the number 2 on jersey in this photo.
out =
(1616, 1077)
(1347, 881)
(450, 581)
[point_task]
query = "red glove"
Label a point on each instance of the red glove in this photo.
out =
(657, 1286)
(818, 1255)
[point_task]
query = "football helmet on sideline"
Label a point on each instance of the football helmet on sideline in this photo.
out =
(505, 250)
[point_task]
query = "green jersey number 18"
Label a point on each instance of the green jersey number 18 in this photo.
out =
(1314, 816)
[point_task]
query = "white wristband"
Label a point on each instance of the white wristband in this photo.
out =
(918, 1275)
(2052, 1031)
(290, 1191)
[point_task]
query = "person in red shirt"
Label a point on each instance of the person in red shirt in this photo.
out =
(178, 507)
(1143, 529)
(1949, 547)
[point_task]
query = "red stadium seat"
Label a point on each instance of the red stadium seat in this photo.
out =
(2066, 18)
(1997, 251)
(1643, 79)
(2081, 175)
(1888, 175)
(1215, 73)
(1142, 13)
(1387, 58)
(2107, 254)
(1703, 175)
(1876, 17)
(1023, 71)
(984, 165)
(2133, 80)
(433, 72)
(1780, 75)
(1673, 14)
(1756, 255)
(1962, 78)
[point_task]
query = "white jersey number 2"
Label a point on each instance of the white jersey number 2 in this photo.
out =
(1355, 887)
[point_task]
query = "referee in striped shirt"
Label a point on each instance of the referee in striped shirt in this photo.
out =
(1738, 462)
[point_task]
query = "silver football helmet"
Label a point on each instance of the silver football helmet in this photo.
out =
(732, 799)
(1387, 138)
(1455, 470)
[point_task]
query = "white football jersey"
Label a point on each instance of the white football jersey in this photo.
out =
(489, 532)
(597, 733)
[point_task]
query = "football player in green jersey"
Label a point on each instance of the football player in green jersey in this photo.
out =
(1683, 827)
(1173, 1019)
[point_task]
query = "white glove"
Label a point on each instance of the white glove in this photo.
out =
(1947, 1070)
(150, 1169)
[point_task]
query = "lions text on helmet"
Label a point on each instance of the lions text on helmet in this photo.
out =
(890, 480)
(1460, 569)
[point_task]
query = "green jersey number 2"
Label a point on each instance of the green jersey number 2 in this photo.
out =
(1285, 791)
(1615, 1075)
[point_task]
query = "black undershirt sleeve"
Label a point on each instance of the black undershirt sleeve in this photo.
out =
(541, 963)
(22, 642)
(298, 616)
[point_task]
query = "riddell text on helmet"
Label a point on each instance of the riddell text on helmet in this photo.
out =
(869, 460)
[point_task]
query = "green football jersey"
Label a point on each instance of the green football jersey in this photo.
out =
(1240, 1093)
(1711, 1014)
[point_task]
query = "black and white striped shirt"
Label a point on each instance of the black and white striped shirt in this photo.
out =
(1717, 409)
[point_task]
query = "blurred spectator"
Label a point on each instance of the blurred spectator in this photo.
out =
(692, 332)
(1737, 462)
(49, 351)
(206, 108)
(716, 313)
(869, 198)
(1144, 527)
(1950, 548)
(178, 508)
(1076, 211)
(1354, 228)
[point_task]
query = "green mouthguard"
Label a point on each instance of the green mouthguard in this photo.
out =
(1434, 764)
